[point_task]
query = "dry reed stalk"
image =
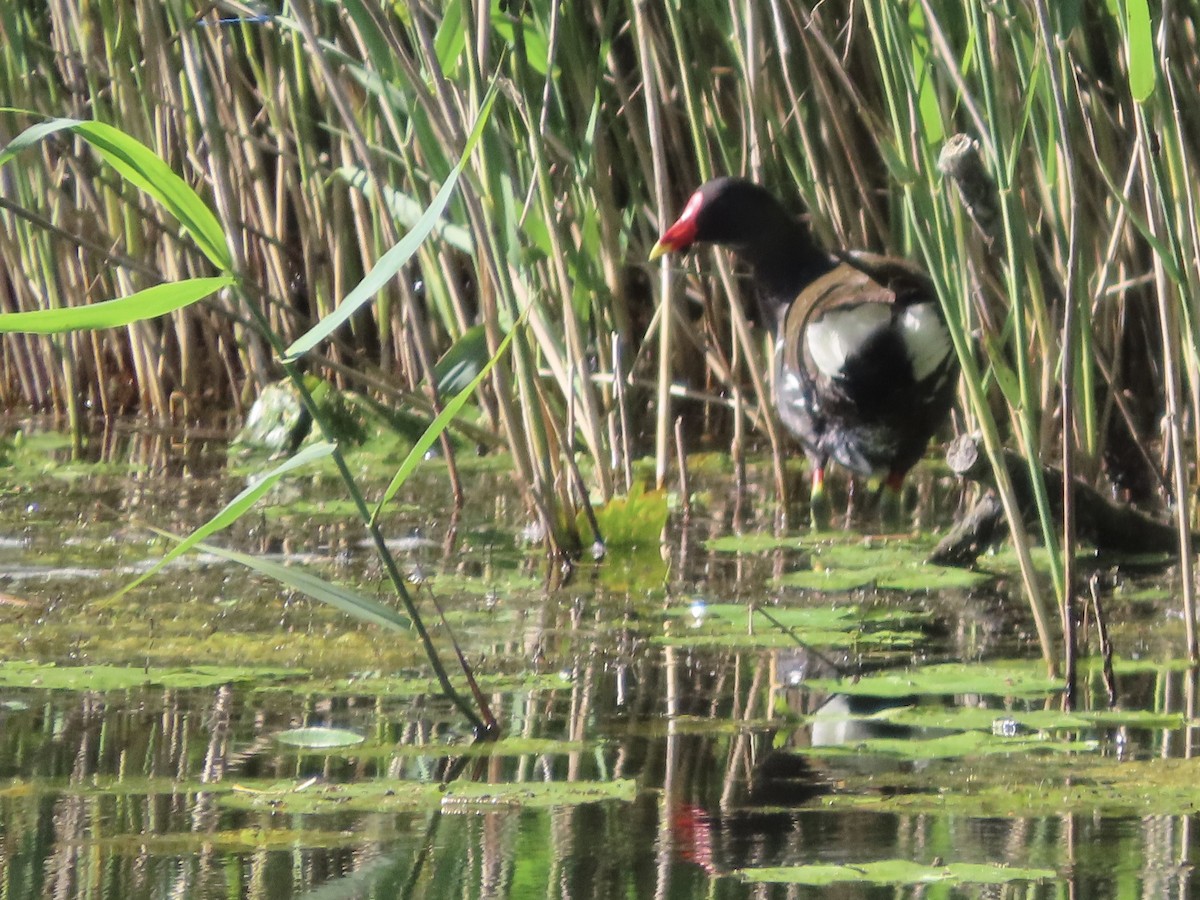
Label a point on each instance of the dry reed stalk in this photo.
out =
(843, 102)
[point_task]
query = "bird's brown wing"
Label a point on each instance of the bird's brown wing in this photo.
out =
(906, 280)
(844, 285)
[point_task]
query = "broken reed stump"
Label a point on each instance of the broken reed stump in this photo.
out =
(960, 161)
(1098, 521)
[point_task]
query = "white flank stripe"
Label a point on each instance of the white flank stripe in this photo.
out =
(840, 333)
(926, 339)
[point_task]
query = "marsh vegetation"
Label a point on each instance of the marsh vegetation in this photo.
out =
(443, 211)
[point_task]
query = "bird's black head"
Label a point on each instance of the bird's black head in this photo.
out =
(733, 212)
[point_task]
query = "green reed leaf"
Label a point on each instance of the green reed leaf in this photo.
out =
(365, 609)
(394, 259)
(147, 304)
(233, 510)
(1143, 72)
(143, 168)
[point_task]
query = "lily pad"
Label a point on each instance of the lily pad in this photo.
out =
(999, 679)
(471, 794)
(754, 543)
(889, 565)
(118, 678)
(498, 581)
(964, 745)
(108, 785)
(319, 738)
(1008, 786)
(872, 553)
(830, 579)
(326, 509)
(511, 746)
(843, 616)
(731, 625)
(309, 797)
(928, 577)
(376, 685)
(1144, 595)
(986, 719)
(393, 796)
(458, 745)
(236, 840)
(895, 871)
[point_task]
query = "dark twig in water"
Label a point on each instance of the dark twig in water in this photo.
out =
(1100, 522)
(1106, 649)
(685, 491)
(840, 670)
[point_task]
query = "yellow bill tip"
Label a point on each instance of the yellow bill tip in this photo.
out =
(658, 250)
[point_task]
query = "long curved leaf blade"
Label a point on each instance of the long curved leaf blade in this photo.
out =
(406, 210)
(392, 261)
(142, 167)
(32, 135)
(439, 424)
(147, 304)
(233, 510)
(338, 596)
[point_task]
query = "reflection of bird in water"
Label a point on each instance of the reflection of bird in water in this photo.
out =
(760, 831)
(765, 826)
(842, 719)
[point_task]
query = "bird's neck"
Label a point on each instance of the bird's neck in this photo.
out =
(785, 259)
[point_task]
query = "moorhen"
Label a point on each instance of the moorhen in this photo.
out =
(865, 367)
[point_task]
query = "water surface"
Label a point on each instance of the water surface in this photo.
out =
(662, 737)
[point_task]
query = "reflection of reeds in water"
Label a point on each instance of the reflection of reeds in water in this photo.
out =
(136, 789)
(315, 137)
